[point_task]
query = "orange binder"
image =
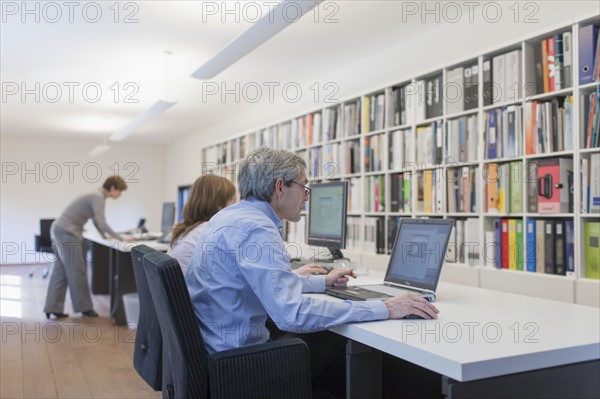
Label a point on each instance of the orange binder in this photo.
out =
(492, 187)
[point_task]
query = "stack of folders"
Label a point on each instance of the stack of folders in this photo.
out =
(353, 229)
(462, 139)
(542, 246)
(465, 244)
(429, 144)
(590, 137)
(554, 63)
(333, 125)
(430, 188)
(351, 122)
(374, 240)
(461, 189)
(506, 77)
(461, 89)
(312, 128)
(503, 132)
(504, 187)
(554, 177)
(400, 192)
(354, 194)
(591, 248)
(427, 95)
(349, 157)
(549, 125)
(375, 194)
(374, 152)
(373, 112)
(397, 106)
(590, 184)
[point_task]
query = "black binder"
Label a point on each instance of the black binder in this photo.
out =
(549, 242)
(559, 239)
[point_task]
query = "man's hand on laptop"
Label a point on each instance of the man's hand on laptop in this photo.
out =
(310, 269)
(409, 303)
(339, 277)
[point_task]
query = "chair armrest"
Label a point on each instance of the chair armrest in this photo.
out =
(278, 369)
(37, 243)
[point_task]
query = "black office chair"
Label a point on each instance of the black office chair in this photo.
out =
(147, 353)
(43, 243)
(278, 369)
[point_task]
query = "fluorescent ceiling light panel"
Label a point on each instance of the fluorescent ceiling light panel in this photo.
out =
(279, 17)
(99, 149)
(143, 118)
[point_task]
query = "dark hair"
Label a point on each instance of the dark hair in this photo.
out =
(115, 181)
(208, 195)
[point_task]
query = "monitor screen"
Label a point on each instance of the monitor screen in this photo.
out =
(168, 217)
(327, 215)
(183, 193)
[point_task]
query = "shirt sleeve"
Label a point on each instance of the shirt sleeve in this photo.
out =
(313, 283)
(98, 204)
(280, 290)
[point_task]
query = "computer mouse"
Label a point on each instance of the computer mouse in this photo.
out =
(413, 316)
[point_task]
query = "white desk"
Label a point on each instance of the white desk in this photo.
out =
(112, 269)
(481, 334)
(124, 246)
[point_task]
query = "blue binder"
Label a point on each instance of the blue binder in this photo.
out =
(587, 48)
(531, 246)
(570, 246)
(492, 135)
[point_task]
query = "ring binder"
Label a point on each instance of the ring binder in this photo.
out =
(545, 186)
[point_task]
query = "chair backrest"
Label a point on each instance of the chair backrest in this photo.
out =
(185, 361)
(43, 241)
(147, 353)
(45, 227)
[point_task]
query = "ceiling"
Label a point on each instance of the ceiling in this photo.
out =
(75, 72)
(89, 70)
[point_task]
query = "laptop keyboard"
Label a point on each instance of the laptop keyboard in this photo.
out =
(386, 289)
(394, 291)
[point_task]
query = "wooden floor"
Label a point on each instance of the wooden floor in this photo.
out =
(70, 358)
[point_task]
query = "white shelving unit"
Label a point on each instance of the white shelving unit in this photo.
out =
(348, 133)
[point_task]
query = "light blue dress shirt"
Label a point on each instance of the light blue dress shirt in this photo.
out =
(240, 274)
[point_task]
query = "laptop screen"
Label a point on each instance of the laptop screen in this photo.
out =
(419, 252)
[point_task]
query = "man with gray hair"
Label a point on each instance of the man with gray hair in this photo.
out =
(240, 272)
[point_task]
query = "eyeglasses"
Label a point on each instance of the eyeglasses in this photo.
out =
(307, 190)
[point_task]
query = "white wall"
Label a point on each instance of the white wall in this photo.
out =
(183, 164)
(44, 191)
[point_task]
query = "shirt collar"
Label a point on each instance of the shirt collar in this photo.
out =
(266, 208)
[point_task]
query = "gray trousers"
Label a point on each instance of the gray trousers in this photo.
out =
(70, 269)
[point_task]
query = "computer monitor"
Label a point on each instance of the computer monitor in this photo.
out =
(183, 192)
(142, 226)
(168, 217)
(327, 212)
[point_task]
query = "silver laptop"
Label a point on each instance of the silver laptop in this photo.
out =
(415, 264)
